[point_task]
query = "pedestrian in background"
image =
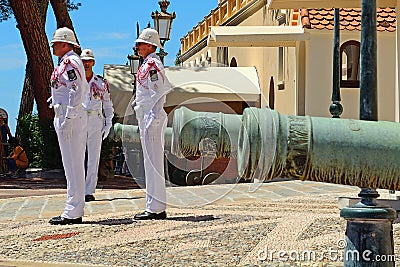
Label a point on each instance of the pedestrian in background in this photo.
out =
(97, 103)
(152, 87)
(68, 91)
(17, 160)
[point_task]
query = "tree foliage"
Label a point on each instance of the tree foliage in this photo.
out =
(178, 60)
(5, 10)
(7, 13)
(40, 143)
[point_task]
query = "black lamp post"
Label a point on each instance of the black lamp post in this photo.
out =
(369, 225)
(135, 60)
(336, 108)
(162, 24)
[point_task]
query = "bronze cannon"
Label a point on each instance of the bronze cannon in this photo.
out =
(270, 145)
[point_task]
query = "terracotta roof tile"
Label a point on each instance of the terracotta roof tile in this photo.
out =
(350, 19)
(344, 23)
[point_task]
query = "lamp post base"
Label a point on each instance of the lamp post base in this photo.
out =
(369, 236)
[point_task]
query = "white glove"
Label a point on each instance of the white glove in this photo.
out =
(66, 129)
(50, 101)
(139, 112)
(106, 130)
(150, 119)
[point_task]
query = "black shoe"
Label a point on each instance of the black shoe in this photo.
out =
(150, 216)
(89, 198)
(63, 221)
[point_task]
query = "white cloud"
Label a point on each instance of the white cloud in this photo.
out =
(11, 63)
(12, 56)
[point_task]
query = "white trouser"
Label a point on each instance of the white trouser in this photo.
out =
(152, 140)
(93, 146)
(73, 156)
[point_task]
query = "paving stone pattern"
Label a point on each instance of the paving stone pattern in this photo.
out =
(213, 225)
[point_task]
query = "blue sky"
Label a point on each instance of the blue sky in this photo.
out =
(107, 27)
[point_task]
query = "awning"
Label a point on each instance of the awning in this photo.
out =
(256, 36)
(192, 85)
(290, 4)
(121, 80)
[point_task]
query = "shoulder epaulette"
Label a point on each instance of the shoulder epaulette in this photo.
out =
(67, 60)
(151, 61)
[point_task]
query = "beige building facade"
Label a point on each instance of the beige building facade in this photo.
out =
(293, 57)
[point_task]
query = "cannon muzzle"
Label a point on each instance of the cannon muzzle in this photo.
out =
(130, 135)
(191, 129)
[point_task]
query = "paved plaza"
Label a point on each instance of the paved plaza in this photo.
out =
(211, 225)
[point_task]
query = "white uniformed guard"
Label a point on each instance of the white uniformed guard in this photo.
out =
(68, 91)
(151, 88)
(97, 101)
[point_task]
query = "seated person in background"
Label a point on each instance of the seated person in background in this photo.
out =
(18, 158)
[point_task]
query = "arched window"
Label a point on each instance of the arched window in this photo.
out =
(350, 64)
(233, 62)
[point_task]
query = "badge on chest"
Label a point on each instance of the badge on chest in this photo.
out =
(153, 75)
(53, 83)
(71, 75)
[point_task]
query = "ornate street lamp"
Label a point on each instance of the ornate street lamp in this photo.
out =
(134, 62)
(162, 24)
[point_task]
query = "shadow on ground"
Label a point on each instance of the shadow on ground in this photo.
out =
(23, 182)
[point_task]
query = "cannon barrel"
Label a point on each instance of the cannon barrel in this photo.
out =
(340, 151)
(130, 135)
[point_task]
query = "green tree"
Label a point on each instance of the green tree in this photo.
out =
(30, 16)
(178, 59)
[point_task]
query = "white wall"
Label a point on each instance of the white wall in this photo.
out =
(319, 74)
(397, 93)
(319, 54)
(386, 76)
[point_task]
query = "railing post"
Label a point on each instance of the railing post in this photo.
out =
(336, 108)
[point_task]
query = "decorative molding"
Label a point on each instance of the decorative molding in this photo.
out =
(235, 19)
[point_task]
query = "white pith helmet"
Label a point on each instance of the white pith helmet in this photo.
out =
(149, 36)
(87, 54)
(64, 35)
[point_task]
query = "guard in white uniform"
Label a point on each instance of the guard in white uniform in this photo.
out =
(152, 87)
(68, 91)
(97, 102)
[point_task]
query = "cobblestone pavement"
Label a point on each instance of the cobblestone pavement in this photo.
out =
(212, 225)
